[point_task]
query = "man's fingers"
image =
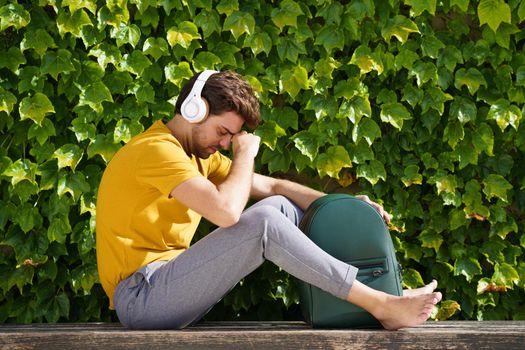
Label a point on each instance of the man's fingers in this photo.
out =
(379, 208)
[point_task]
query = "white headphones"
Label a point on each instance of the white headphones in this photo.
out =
(194, 108)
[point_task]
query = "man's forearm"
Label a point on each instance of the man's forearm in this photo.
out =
(301, 195)
(236, 187)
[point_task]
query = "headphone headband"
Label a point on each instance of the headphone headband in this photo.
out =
(194, 108)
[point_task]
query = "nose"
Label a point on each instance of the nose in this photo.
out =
(225, 142)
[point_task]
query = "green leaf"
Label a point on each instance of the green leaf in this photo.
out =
(285, 117)
(463, 109)
(332, 161)
(84, 277)
(135, 63)
(331, 38)
(446, 309)
(355, 109)
(405, 59)
(183, 34)
(209, 21)
(411, 176)
(156, 48)
(39, 40)
(72, 23)
(483, 139)
(35, 108)
(418, 6)
(505, 275)
(322, 106)
(325, 67)
(430, 239)
(472, 78)
(176, 73)
(74, 5)
(462, 4)
(395, 114)
(453, 133)
(292, 81)
(435, 98)
(269, 132)
(205, 60)
(42, 132)
(307, 143)
(126, 35)
(446, 183)
(68, 155)
(105, 54)
(12, 59)
(239, 23)
(126, 129)
(55, 63)
(424, 72)
(412, 278)
(468, 267)
(22, 169)
(276, 160)
(102, 145)
(373, 172)
(286, 14)
(7, 101)
(493, 13)
(449, 57)
(93, 95)
(74, 183)
(366, 60)
(227, 7)
(496, 186)
(504, 114)
(289, 49)
(366, 129)
(431, 46)
(399, 27)
(258, 42)
(58, 230)
(13, 15)
(360, 152)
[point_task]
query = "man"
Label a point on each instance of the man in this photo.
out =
(156, 189)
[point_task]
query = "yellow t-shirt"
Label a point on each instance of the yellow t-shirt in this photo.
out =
(137, 221)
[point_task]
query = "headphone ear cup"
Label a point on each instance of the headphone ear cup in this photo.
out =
(195, 109)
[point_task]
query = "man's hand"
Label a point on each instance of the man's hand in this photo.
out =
(377, 207)
(245, 144)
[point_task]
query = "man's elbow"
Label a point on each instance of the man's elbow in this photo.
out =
(228, 217)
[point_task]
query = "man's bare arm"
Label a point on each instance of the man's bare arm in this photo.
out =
(303, 196)
(223, 204)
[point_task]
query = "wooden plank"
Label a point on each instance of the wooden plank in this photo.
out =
(506, 335)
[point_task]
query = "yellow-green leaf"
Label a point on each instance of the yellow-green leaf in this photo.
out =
(493, 13)
(183, 34)
(35, 107)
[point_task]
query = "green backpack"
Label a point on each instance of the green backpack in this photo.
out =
(354, 232)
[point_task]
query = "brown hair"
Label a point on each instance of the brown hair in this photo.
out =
(226, 92)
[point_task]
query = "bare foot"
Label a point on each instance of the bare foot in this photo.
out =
(394, 312)
(407, 311)
(429, 288)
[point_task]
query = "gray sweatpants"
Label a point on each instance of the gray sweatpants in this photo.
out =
(177, 293)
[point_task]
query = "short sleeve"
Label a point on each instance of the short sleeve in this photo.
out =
(219, 168)
(165, 165)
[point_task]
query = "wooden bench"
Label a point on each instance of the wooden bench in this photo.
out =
(265, 335)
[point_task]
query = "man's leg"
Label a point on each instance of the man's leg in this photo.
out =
(181, 291)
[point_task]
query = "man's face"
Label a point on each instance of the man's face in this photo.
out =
(215, 133)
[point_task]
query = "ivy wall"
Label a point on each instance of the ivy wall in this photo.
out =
(416, 103)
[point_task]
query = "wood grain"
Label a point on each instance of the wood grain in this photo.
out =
(265, 335)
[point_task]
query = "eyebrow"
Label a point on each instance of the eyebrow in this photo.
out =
(227, 130)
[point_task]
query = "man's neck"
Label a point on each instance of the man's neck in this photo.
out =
(180, 130)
